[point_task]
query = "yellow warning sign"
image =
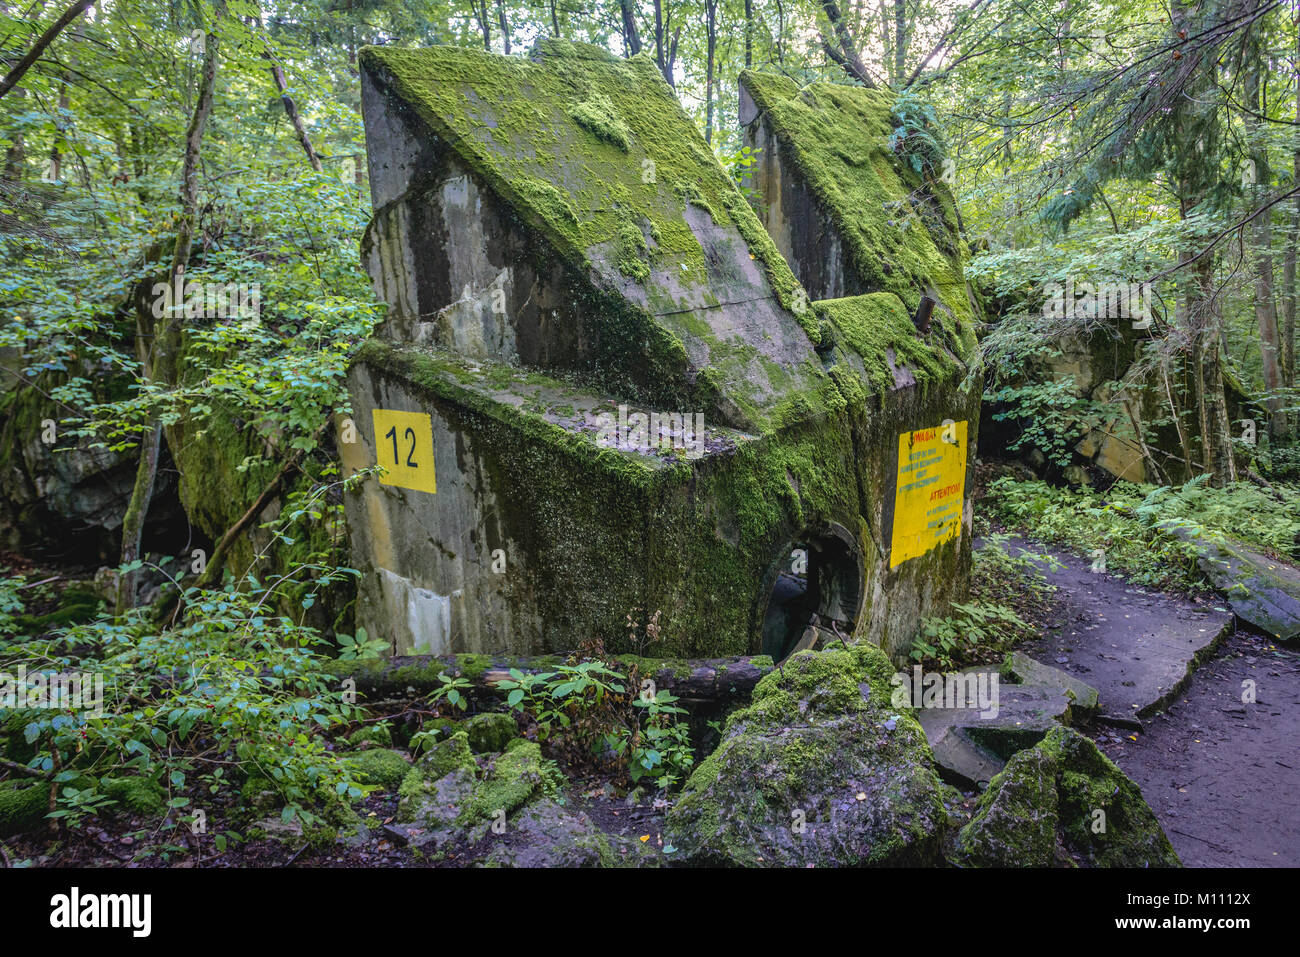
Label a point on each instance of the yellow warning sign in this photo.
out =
(930, 492)
(404, 446)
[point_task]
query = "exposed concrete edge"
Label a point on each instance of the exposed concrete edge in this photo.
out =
(1199, 658)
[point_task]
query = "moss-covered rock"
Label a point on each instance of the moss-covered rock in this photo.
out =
(259, 793)
(379, 766)
(491, 732)
(1095, 811)
(514, 778)
(1015, 822)
(447, 756)
(23, 807)
(547, 834)
(135, 795)
(379, 734)
(818, 770)
(435, 730)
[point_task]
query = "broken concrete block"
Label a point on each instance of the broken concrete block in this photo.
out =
(971, 744)
(603, 403)
(1067, 785)
(819, 770)
(1015, 822)
(1083, 696)
(1262, 591)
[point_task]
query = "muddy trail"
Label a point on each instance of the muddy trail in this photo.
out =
(1221, 774)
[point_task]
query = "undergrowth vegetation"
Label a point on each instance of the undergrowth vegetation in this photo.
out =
(230, 714)
(1009, 594)
(1124, 522)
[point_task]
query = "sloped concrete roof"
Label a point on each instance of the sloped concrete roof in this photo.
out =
(595, 152)
(899, 230)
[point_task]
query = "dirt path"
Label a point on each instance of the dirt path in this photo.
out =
(1223, 777)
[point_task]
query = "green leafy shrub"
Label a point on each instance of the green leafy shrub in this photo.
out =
(585, 707)
(233, 691)
(973, 631)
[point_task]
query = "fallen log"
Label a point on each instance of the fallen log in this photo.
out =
(695, 679)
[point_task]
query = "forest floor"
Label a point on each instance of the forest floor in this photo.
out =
(1223, 777)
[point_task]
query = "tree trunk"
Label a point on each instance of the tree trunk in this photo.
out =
(1289, 266)
(162, 359)
(711, 36)
(1176, 413)
(780, 32)
(715, 679)
(900, 40)
(43, 41)
(749, 34)
(484, 24)
(291, 110)
(1265, 304)
(505, 26)
(845, 50)
(1211, 402)
(631, 36)
(665, 49)
(14, 157)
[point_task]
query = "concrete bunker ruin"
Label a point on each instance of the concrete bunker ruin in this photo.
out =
(604, 404)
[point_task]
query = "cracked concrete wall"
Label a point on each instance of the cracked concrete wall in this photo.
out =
(426, 561)
(480, 301)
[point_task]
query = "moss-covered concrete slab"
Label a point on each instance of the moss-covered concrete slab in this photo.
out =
(1261, 590)
(1064, 792)
(567, 266)
(588, 207)
(849, 213)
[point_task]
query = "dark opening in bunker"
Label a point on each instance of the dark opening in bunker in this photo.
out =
(816, 592)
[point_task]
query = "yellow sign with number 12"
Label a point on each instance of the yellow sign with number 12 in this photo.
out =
(404, 446)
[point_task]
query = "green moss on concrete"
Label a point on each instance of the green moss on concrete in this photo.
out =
(701, 551)
(1063, 789)
(1015, 821)
(1089, 782)
(378, 766)
(899, 234)
(595, 154)
(598, 116)
(875, 326)
(570, 115)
